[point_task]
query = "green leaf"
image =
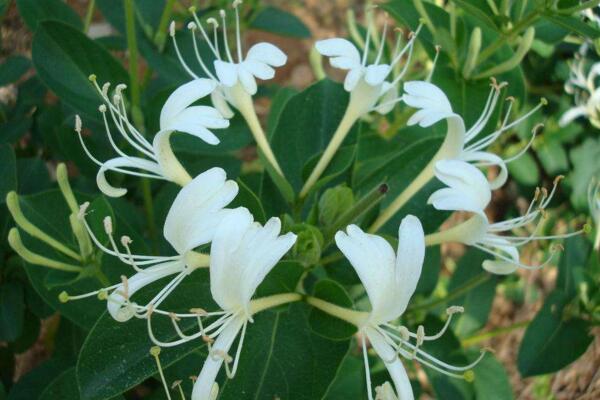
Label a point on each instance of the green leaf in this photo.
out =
(283, 358)
(64, 387)
(280, 22)
(553, 157)
(479, 9)
(13, 68)
(585, 165)
(573, 24)
(12, 309)
(491, 379)
(64, 58)
(32, 175)
(8, 166)
(525, 170)
(305, 127)
(31, 385)
(34, 12)
(552, 340)
(247, 198)
(324, 324)
(572, 264)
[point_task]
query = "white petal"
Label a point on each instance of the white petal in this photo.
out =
(468, 189)
(220, 103)
(373, 260)
(352, 79)
(226, 72)
(490, 159)
(395, 368)
(171, 168)
(258, 69)
(409, 259)
(388, 95)
(431, 101)
(242, 254)
(123, 162)
(183, 97)
(203, 387)
(376, 74)
(571, 114)
(248, 81)
(268, 54)
(343, 50)
(198, 209)
(117, 304)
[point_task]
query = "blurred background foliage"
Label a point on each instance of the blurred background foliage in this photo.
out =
(541, 324)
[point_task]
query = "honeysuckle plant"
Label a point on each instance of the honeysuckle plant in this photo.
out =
(318, 237)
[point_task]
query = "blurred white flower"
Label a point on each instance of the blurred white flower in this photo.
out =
(498, 239)
(460, 143)
(585, 91)
(157, 159)
(390, 280)
(191, 222)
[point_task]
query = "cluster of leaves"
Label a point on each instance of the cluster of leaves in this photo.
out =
(293, 352)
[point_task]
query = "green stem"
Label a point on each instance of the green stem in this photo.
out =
(136, 111)
(475, 339)
(356, 318)
(161, 32)
(518, 28)
(275, 300)
(89, 14)
(458, 292)
(580, 7)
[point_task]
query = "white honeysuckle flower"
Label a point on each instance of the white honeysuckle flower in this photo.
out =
(585, 91)
(594, 206)
(242, 254)
(192, 221)
(468, 189)
(390, 280)
(462, 144)
(498, 239)
(368, 84)
(157, 160)
(236, 78)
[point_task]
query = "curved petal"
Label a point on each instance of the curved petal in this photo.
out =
(376, 74)
(248, 81)
(118, 306)
(395, 368)
(409, 260)
(123, 162)
(487, 158)
(352, 79)
(373, 259)
(468, 189)
(220, 103)
(503, 267)
(431, 101)
(203, 387)
(183, 97)
(387, 100)
(198, 209)
(345, 53)
(258, 69)
(571, 114)
(267, 53)
(226, 72)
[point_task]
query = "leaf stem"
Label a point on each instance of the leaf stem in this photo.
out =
(478, 338)
(160, 38)
(89, 14)
(458, 292)
(136, 111)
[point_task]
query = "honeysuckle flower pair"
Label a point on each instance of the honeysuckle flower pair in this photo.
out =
(242, 254)
(585, 91)
(368, 85)
(235, 79)
(390, 280)
(158, 161)
(497, 239)
(192, 221)
(462, 153)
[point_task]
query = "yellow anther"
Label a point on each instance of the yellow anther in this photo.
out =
(63, 297)
(469, 376)
(92, 77)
